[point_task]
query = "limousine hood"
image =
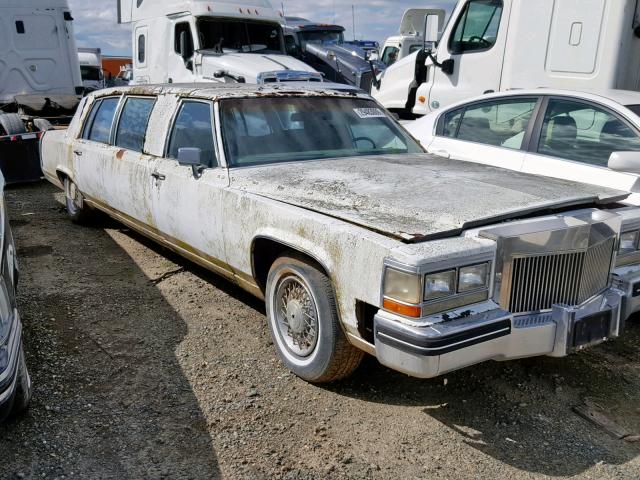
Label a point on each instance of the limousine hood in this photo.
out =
(415, 198)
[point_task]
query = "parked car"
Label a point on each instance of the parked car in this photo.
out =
(15, 383)
(315, 199)
(587, 137)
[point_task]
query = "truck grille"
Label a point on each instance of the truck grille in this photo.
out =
(539, 282)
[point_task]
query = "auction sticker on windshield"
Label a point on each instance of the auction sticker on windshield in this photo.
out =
(369, 113)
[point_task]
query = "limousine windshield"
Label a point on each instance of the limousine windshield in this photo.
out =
(260, 131)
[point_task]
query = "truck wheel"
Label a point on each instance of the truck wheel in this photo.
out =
(76, 209)
(23, 388)
(304, 323)
(11, 124)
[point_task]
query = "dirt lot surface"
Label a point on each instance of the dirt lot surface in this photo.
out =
(146, 366)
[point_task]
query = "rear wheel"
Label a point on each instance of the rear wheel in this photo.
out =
(304, 323)
(11, 124)
(77, 210)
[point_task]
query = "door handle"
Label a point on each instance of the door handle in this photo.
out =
(158, 176)
(78, 153)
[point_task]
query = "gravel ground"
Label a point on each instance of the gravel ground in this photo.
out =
(146, 366)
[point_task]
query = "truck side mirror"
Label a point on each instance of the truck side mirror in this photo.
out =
(191, 157)
(431, 29)
(625, 162)
(448, 66)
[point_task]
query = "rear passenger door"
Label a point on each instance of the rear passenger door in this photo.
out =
(187, 209)
(492, 132)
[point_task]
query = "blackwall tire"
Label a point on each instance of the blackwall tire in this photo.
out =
(304, 323)
(77, 210)
(23, 388)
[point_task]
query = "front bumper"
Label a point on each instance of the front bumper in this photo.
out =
(9, 357)
(495, 334)
(627, 279)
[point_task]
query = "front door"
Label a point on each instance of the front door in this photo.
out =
(187, 207)
(476, 44)
(575, 140)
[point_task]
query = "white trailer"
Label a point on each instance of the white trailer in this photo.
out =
(497, 45)
(40, 79)
(91, 68)
(231, 41)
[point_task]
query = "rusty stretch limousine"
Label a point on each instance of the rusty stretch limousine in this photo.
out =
(315, 199)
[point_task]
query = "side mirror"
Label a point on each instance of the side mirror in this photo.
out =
(431, 29)
(191, 157)
(448, 66)
(625, 162)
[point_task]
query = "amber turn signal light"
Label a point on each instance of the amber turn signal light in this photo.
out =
(401, 309)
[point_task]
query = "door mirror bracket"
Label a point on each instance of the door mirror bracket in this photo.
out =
(191, 157)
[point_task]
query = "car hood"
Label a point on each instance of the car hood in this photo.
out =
(349, 56)
(251, 65)
(415, 197)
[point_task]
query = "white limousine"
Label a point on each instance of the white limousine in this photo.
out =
(315, 199)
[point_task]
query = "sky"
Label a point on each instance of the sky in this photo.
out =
(375, 19)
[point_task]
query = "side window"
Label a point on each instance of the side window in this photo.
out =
(102, 121)
(584, 133)
(414, 48)
(500, 123)
(477, 27)
(183, 36)
(390, 55)
(132, 126)
(193, 128)
(451, 123)
(20, 27)
(142, 50)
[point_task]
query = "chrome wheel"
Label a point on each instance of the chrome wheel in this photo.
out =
(297, 316)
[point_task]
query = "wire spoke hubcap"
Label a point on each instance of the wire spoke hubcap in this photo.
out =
(297, 316)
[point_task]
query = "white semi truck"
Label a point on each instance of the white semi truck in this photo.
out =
(231, 41)
(91, 69)
(497, 45)
(40, 81)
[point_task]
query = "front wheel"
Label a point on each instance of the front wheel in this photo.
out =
(77, 210)
(304, 324)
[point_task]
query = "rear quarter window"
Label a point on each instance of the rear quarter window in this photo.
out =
(132, 126)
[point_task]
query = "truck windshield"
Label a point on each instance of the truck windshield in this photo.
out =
(240, 36)
(262, 131)
(91, 73)
(321, 37)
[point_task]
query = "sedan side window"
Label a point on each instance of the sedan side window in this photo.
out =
(102, 120)
(132, 127)
(194, 128)
(501, 123)
(584, 133)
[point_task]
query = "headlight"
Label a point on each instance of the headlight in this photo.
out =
(403, 287)
(439, 285)
(628, 243)
(473, 278)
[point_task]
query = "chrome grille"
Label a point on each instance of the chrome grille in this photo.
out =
(539, 282)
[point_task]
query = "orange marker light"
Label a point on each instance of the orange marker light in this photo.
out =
(422, 99)
(401, 309)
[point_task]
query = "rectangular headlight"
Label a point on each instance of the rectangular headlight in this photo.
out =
(403, 287)
(628, 243)
(440, 285)
(473, 278)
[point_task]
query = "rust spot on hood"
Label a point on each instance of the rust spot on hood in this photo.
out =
(120, 154)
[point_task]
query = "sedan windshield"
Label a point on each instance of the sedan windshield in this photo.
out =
(239, 36)
(261, 131)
